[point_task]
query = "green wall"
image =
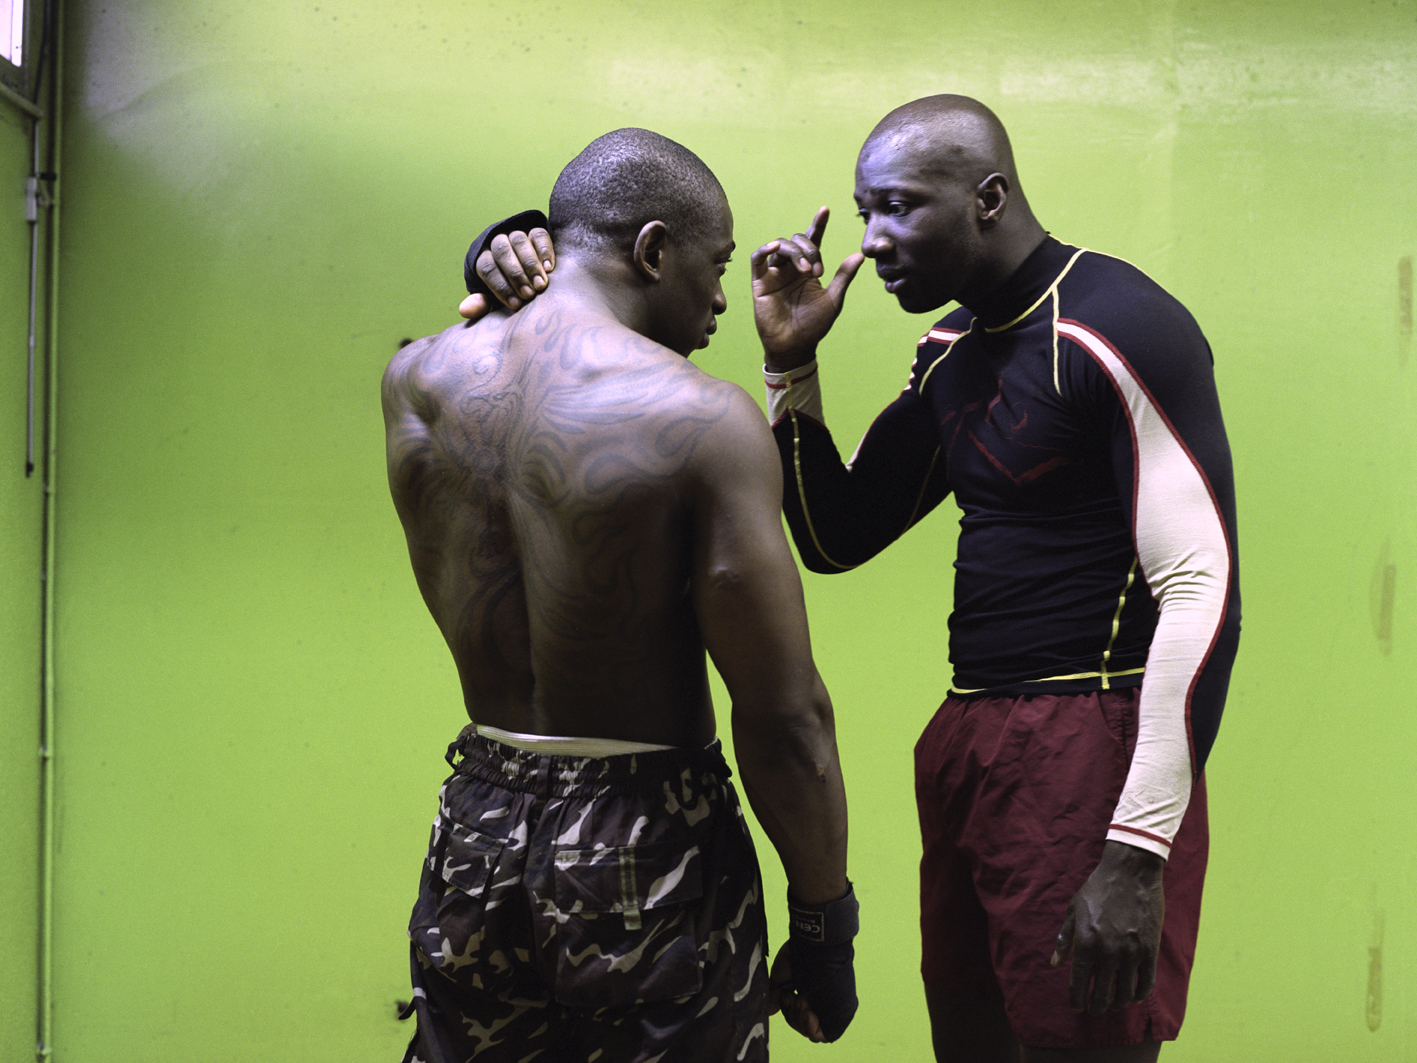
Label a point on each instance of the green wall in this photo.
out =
(262, 200)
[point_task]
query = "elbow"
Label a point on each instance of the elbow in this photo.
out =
(723, 579)
(798, 729)
(804, 749)
(826, 558)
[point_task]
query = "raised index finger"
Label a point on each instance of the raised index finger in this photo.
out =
(818, 228)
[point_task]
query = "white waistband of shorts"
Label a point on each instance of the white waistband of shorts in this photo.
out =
(568, 747)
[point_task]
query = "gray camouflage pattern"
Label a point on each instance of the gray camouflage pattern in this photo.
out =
(588, 908)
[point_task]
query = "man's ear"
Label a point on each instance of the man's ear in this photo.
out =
(649, 249)
(991, 197)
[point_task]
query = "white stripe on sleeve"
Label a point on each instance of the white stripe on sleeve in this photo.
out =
(1185, 555)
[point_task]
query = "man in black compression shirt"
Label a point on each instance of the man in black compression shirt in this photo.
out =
(1070, 406)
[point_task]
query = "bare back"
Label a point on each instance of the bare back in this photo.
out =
(547, 469)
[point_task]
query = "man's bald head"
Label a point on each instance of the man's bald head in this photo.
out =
(952, 136)
(945, 216)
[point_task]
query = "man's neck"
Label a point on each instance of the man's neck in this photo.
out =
(596, 287)
(1011, 249)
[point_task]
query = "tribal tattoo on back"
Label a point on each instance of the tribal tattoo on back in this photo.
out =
(543, 466)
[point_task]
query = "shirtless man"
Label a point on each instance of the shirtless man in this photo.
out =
(586, 513)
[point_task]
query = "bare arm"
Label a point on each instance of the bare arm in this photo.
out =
(748, 598)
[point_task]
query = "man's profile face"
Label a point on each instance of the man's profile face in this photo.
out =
(920, 224)
(691, 295)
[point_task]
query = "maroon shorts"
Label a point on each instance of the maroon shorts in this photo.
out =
(1015, 797)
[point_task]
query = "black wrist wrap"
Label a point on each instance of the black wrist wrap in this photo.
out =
(833, 923)
(822, 957)
(524, 222)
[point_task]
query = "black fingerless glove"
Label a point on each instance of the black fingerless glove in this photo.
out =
(821, 954)
(524, 222)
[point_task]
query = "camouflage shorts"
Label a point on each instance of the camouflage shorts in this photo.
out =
(588, 908)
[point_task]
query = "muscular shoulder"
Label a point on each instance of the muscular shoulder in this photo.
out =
(1133, 313)
(730, 403)
(727, 427)
(398, 386)
(425, 372)
(1135, 343)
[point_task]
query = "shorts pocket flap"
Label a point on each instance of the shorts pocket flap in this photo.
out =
(469, 858)
(627, 878)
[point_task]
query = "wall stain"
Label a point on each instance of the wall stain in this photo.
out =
(1373, 1009)
(1382, 597)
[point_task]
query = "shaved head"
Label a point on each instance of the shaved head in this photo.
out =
(627, 178)
(953, 137)
(945, 216)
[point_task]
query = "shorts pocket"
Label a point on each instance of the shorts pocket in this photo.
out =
(468, 859)
(625, 924)
(1118, 709)
(449, 924)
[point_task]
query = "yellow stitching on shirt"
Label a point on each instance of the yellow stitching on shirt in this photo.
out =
(802, 494)
(1056, 387)
(1051, 288)
(1117, 624)
(942, 357)
(923, 484)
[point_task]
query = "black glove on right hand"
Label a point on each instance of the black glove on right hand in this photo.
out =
(821, 955)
